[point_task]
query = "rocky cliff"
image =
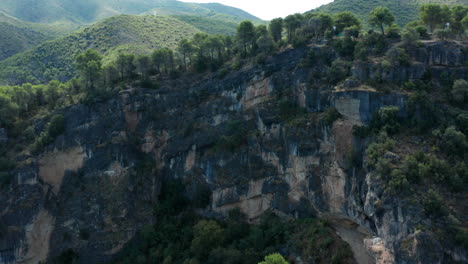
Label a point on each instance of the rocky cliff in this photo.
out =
(101, 178)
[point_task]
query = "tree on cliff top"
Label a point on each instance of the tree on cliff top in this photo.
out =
(381, 16)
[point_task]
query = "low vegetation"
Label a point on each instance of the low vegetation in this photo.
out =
(181, 236)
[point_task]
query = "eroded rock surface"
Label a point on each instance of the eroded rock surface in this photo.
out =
(91, 190)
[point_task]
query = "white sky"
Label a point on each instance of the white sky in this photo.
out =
(269, 9)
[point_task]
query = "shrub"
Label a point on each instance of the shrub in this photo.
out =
(56, 126)
(433, 204)
(462, 122)
(377, 149)
(386, 119)
(393, 32)
(344, 46)
(423, 114)
(397, 56)
(339, 71)
(236, 136)
(422, 31)
(398, 182)
(275, 258)
(372, 44)
(454, 142)
(207, 235)
(331, 115)
(443, 34)
(172, 199)
(412, 169)
(460, 91)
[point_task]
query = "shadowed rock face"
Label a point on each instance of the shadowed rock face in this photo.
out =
(90, 190)
(433, 58)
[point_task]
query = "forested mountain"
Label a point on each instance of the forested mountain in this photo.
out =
(87, 11)
(28, 23)
(51, 30)
(312, 140)
(124, 33)
(405, 10)
(210, 25)
(211, 10)
(15, 39)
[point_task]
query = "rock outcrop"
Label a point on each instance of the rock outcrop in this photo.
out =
(95, 186)
(434, 59)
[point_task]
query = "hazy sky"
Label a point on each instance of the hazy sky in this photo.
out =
(268, 9)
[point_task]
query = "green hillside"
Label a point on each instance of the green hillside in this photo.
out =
(52, 30)
(209, 25)
(124, 33)
(213, 11)
(405, 11)
(87, 11)
(17, 35)
(15, 39)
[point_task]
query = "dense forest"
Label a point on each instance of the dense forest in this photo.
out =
(189, 238)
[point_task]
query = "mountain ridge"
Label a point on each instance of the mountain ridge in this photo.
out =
(404, 11)
(123, 33)
(85, 12)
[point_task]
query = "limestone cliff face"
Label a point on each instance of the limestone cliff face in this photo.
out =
(434, 59)
(96, 185)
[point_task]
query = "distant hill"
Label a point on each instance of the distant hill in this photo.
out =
(17, 35)
(88, 11)
(212, 10)
(123, 33)
(210, 25)
(30, 22)
(405, 10)
(49, 29)
(15, 39)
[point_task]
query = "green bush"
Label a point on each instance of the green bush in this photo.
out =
(344, 46)
(386, 119)
(443, 34)
(372, 44)
(378, 148)
(410, 37)
(339, 71)
(397, 56)
(433, 204)
(275, 258)
(454, 142)
(55, 127)
(459, 91)
(235, 137)
(330, 116)
(423, 115)
(207, 235)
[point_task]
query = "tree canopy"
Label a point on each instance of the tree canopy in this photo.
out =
(381, 16)
(275, 258)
